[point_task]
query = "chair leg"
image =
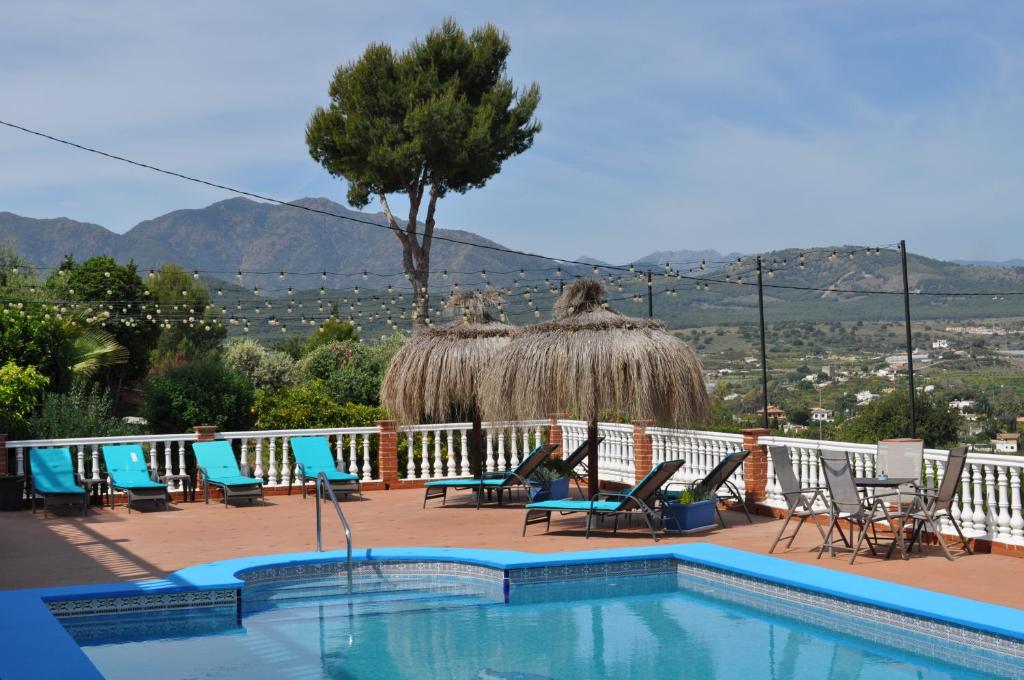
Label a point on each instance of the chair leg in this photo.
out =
(827, 543)
(933, 526)
(650, 525)
(782, 530)
(865, 525)
(721, 520)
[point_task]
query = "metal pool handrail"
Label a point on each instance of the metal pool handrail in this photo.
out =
(322, 484)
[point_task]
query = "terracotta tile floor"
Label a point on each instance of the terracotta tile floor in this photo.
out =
(110, 545)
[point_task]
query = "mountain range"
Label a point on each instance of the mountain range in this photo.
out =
(241, 234)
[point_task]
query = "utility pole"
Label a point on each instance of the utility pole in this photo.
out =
(910, 341)
(650, 297)
(764, 352)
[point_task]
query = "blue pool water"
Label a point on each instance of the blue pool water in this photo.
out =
(651, 626)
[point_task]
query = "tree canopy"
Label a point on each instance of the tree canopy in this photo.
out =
(889, 417)
(441, 116)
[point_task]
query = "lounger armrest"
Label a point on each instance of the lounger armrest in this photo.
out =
(608, 495)
(301, 470)
(494, 475)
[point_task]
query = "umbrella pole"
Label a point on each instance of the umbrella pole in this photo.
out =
(476, 445)
(592, 480)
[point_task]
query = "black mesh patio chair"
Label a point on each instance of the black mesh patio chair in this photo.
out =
(578, 458)
(717, 483)
(862, 510)
(930, 505)
(800, 501)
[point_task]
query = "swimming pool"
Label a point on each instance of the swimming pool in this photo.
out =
(685, 611)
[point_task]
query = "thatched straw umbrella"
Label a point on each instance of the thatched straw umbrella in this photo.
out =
(436, 375)
(592, 361)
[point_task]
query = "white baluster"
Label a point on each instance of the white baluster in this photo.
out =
(463, 453)
(502, 464)
(259, 471)
(538, 435)
(247, 468)
(453, 457)
(1016, 518)
(273, 471)
(286, 465)
(514, 443)
(490, 451)
(19, 460)
(181, 463)
(367, 463)
(152, 457)
(95, 462)
(991, 502)
(954, 510)
(353, 466)
(426, 470)
(410, 458)
(81, 461)
(978, 475)
(1003, 518)
(526, 440)
(168, 458)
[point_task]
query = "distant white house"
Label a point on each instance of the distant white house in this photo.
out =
(962, 405)
(865, 397)
(822, 415)
(731, 396)
(929, 389)
(940, 344)
(1006, 442)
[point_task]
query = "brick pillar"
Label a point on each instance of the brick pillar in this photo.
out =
(755, 467)
(387, 452)
(205, 433)
(555, 435)
(643, 452)
(3, 454)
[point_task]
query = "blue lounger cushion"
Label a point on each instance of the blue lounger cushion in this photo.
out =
(126, 465)
(576, 505)
(218, 460)
(468, 482)
(314, 454)
(53, 471)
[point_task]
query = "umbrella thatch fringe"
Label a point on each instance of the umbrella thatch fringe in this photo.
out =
(436, 375)
(592, 361)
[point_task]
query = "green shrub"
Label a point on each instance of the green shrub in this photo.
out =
(326, 360)
(201, 393)
(84, 411)
(266, 370)
(358, 380)
(20, 389)
(310, 405)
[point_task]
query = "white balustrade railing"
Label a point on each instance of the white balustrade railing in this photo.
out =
(165, 453)
(615, 455)
(988, 505)
(701, 451)
(266, 453)
(436, 451)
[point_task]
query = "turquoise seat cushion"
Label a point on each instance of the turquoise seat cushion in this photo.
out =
(233, 480)
(333, 475)
(133, 479)
(575, 506)
(468, 483)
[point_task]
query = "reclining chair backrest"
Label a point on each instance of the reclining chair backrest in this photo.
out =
(580, 454)
(652, 483)
(126, 464)
(217, 458)
(314, 454)
(53, 471)
(951, 478)
(533, 461)
(721, 473)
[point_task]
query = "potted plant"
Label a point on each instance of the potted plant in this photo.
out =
(689, 511)
(550, 481)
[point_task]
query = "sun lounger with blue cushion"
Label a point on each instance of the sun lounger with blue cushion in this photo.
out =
(641, 499)
(54, 478)
(491, 481)
(312, 457)
(128, 472)
(218, 467)
(717, 484)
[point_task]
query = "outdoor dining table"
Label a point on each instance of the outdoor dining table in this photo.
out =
(865, 483)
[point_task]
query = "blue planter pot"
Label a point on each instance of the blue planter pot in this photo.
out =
(681, 519)
(556, 489)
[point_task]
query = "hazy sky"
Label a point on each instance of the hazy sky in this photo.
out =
(729, 125)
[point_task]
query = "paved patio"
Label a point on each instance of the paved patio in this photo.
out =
(111, 545)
